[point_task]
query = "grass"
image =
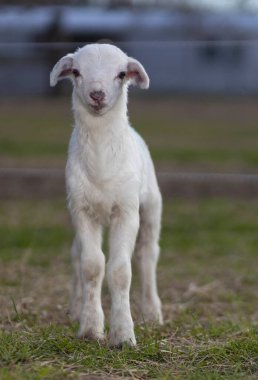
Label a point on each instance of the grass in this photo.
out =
(183, 134)
(208, 270)
(64, 355)
(208, 281)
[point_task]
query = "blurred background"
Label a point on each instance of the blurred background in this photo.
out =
(200, 120)
(188, 46)
(200, 113)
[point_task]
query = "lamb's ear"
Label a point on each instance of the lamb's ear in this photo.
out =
(137, 74)
(64, 68)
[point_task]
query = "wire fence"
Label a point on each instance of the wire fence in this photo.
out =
(50, 183)
(203, 66)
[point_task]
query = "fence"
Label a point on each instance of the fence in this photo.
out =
(50, 183)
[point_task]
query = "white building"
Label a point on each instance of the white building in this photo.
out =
(195, 52)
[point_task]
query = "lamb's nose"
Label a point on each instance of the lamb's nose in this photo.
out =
(97, 96)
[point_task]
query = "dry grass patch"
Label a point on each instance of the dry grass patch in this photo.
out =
(208, 280)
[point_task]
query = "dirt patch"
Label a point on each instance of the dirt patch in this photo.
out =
(33, 292)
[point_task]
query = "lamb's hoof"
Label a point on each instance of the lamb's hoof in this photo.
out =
(74, 315)
(75, 311)
(91, 335)
(120, 340)
(154, 319)
(122, 345)
(152, 315)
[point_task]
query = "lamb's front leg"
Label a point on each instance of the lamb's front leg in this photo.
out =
(92, 273)
(123, 234)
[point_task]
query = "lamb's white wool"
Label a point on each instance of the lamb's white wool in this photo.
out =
(110, 180)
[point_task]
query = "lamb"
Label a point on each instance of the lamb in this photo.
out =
(110, 181)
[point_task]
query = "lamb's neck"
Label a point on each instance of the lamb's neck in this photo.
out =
(101, 140)
(112, 122)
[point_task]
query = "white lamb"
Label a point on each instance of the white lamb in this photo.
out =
(110, 181)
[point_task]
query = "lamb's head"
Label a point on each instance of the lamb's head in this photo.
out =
(99, 73)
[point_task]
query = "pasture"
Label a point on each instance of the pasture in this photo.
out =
(208, 269)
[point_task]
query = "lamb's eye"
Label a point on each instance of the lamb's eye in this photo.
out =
(76, 73)
(121, 75)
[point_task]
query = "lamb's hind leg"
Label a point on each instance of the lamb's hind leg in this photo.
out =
(76, 294)
(147, 254)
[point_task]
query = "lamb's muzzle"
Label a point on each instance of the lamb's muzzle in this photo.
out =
(110, 180)
(97, 96)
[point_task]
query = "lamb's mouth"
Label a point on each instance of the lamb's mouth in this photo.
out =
(98, 107)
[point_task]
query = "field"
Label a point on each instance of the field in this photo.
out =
(216, 135)
(208, 269)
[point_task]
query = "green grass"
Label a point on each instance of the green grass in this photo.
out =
(36, 134)
(208, 281)
(187, 357)
(30, 149)
(185, 134)
(208, 269)
(237, 157)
